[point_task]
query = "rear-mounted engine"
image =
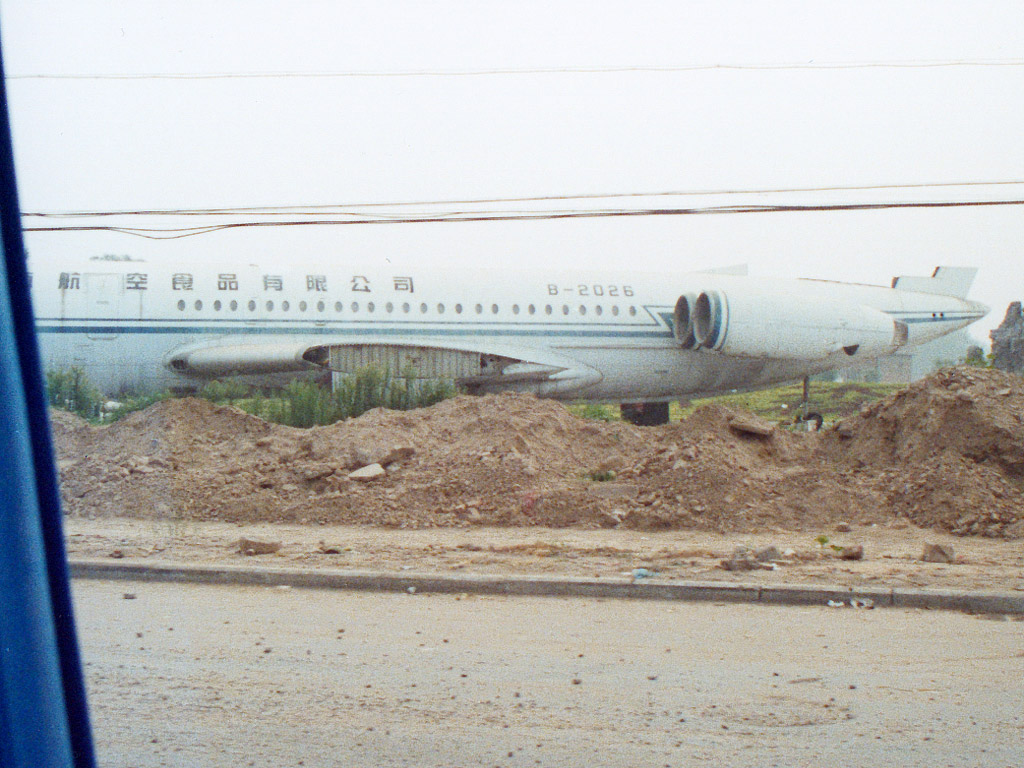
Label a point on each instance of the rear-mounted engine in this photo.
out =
(764, 324)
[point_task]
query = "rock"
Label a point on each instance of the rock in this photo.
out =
(610, 519)
(368, 473)
(937, 553)
(1014, 530)
(256, 547)
(750, 424)
(317, 472)
(741, 560)
(328, 549)
(767, 554)
(396, 454)
(855, 552)
(843, 528)
(360, 457)
(364, 457)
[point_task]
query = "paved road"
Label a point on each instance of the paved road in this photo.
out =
(187, 675)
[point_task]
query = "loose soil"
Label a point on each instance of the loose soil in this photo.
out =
(943, 457)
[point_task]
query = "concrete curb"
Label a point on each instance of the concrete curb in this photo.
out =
(646, 589)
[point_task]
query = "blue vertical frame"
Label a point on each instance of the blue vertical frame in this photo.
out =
(43, 713)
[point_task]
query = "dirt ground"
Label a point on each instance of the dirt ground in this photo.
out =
(510, 483)
(226, 676)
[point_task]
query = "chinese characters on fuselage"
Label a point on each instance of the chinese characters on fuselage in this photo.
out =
(228, 281)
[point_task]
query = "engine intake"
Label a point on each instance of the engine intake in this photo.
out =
(683, 321)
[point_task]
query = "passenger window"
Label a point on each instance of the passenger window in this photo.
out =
(216, 305)
(337, 306)
(479, 308)
(302, 306)
(285, 306)
(440, 309)
(369, 306)
(406, 307)
(565, 309)
(632, 311)
(515, 309)
(531, 309)
(270, 306)
(389, 307)
(252, 305)
(547, 309)
(458, 309)
(355, 306)
(181, 305)
(494, 309)
(583, 309)
(234, 306)
(615, 310)
(199, 305)
(320, 306)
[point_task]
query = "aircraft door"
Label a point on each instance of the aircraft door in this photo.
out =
(96, 298)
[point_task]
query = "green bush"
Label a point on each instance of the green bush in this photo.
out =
(70, 390)
(595, 412)
(228, 391)
(307, 403)
(374, 387)
(298, 404)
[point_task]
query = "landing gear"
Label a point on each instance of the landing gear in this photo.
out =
(645, 414)
(810, 421)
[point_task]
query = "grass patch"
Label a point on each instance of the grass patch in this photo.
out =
(833, 400)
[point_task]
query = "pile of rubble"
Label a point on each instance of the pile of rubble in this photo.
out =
(948, 453)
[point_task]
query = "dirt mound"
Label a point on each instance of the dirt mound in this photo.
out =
(947, 453)
(71, 434)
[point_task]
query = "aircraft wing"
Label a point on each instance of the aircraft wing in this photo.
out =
(479, 364)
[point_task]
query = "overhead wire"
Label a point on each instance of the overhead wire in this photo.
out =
(170, 233)
(338, 208)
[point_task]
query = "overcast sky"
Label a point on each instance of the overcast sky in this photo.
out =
(103, 144)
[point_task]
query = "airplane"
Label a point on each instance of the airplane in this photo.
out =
(640, 339)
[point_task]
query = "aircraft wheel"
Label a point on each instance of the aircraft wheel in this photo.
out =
(813, 421)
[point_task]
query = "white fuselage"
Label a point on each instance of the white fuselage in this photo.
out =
(609, 333)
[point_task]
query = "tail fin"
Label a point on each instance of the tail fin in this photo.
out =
(944, 281)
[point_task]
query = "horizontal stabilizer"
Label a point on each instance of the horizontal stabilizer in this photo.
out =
(944, 281)
(733, 269)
